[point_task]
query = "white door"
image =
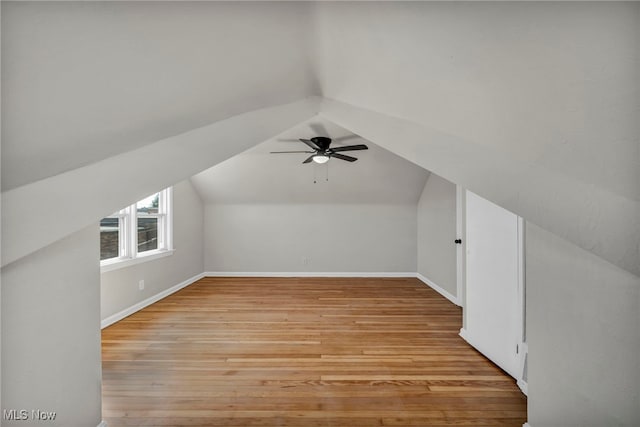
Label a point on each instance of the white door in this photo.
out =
(493, 309)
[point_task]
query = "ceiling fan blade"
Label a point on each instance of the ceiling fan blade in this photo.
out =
(345, 138)
(288, 140)
(280, 152)
(310, 143)
(350, 148)
(309, 159)
(342, 157)
(319, 129)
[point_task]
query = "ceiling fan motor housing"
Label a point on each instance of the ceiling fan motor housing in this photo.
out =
(322, 142)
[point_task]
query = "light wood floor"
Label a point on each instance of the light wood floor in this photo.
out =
(301, 352)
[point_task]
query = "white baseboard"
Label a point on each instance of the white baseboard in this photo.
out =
(526, 425)
(103, 423)
(426, 281)
(304, 274)
(524, 354)
(142, 304)
(147, 302)
(437, 288)
(524, 387)
(463, 334)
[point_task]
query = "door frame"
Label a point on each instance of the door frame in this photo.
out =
(523, 347)
(460, 248)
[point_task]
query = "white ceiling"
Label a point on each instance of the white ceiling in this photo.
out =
(256, 176)
(556, 84)
(533, 104)
(83, 81)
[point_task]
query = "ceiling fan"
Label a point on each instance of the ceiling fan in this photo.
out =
(321, 146)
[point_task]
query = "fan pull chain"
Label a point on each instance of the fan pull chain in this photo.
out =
(315, 172)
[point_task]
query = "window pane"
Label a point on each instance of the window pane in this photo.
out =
(109, 237)
(147, 234)
(148, 205)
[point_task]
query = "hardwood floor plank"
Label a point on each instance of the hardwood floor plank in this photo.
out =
(301, 352)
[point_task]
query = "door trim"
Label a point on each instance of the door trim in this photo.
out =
(460, 252)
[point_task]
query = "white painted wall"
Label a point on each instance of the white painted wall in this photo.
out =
(583, 329)
(436, 249)
(532, 105)
(51, 332)
(119, 288)
(81, 197)
(336, 238)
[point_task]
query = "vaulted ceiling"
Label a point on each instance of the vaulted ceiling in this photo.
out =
(257, 176)
(82, 82)
(532, 105)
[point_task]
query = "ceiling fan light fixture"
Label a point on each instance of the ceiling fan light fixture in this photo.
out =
(322, 151)
(320, 158)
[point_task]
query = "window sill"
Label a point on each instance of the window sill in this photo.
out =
(117, 264)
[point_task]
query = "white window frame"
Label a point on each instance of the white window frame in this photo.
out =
(128, 234)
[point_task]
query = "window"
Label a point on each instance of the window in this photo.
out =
(138, 232)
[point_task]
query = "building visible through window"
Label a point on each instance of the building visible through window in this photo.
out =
(109, 237)
(138, 230)
(147, 211)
